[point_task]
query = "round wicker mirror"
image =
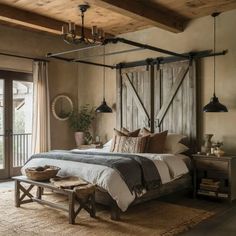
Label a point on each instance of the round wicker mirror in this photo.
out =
(62, 107)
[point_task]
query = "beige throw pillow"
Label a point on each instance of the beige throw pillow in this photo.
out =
(156, 142)
(126, 144)
(172, 143)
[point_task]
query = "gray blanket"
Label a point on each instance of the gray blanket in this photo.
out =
(137, 171)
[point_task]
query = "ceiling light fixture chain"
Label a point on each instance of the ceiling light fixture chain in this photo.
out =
(214, 15)
(104, 108)
(104, 71)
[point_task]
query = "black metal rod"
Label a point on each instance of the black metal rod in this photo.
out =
(73, 50)
(121, 40)
(222, 53)
(145, 46)
(63, 58)
(84, 62)
(24, 57)
(163, 60)
(158, 60)
(95, 64)
(111, 53)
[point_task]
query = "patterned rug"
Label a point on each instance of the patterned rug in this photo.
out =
(159, 218)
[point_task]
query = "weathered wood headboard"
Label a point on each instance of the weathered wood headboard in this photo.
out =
(159, 97)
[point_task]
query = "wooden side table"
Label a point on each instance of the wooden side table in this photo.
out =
(220, 169)
(21, 192)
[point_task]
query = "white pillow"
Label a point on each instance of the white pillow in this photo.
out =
(172, 144)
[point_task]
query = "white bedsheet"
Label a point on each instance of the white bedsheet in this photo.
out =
(169, 166)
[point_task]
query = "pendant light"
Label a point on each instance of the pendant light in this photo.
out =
(214, 105)
(104, 108)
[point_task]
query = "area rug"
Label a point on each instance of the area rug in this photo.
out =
(159, 218)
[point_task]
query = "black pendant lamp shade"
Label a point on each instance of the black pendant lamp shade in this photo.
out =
(103, 108)
(214, 105)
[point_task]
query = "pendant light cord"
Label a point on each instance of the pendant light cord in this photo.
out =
(104, 72)
(214, 66)
(82, 27)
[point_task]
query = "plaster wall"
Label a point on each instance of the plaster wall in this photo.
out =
(62, 75)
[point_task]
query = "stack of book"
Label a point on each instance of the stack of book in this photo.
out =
(210, 185)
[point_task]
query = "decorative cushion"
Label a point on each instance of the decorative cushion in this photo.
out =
(130, 134)
(116, 134)
(156, 142)
(126, 144)
(172, 141)
(179, 148)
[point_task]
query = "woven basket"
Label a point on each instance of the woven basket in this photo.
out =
(49, 172)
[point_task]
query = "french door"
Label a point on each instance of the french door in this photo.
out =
(16, 103)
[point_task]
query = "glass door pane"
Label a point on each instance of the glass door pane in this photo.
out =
(22, 121)
(2, 136)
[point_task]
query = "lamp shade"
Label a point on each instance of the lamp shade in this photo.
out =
(104, 108)
(215, 106)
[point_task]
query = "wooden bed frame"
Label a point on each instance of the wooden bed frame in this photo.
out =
(159, 97)
(183, 183)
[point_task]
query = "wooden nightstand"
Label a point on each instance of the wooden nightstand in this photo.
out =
(220, 170)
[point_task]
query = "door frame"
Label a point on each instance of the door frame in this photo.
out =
(8, 77)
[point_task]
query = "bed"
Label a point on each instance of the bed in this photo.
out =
(112, 189)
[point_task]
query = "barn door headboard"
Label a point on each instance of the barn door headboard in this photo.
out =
(159, 97)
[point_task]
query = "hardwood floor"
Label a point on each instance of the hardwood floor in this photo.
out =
(222, 225)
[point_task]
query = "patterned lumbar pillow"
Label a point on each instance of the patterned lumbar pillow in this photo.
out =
(126, 144)
(156, 142)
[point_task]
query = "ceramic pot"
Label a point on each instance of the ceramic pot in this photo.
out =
(79, 138)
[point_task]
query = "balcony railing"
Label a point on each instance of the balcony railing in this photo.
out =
(21, 149)
(21, 145)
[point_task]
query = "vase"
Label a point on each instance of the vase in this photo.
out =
(206, 148)
(79, 138)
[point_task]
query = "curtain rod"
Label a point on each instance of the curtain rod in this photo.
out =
(24, 57)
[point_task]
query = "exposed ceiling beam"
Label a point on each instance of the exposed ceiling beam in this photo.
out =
(35, 21)
(141, 11)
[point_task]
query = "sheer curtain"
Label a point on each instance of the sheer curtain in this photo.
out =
(41, 108)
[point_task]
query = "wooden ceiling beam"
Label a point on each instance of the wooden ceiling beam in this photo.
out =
(143, 12)
(35, 21)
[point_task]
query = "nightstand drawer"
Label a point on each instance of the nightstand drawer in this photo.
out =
(212, 165)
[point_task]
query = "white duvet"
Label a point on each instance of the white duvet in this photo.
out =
(169, 166)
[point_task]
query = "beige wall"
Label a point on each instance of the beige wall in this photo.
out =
(62, 75)
(198, 36)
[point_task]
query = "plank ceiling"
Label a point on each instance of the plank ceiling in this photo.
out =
(115, 17)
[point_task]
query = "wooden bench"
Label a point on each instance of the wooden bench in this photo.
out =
(86, 201)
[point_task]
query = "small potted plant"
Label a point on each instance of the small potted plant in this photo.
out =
(80, 121)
